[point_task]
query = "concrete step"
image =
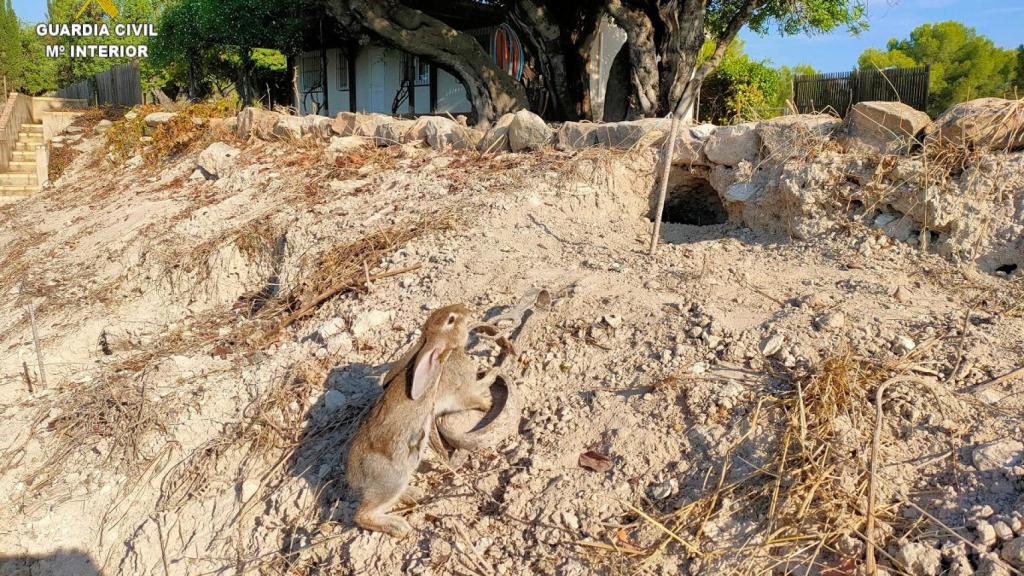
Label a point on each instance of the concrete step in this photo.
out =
(15, 190)
(11, 199)
(30, 137)
(26, 146)
(18, 179)
(32, 128)
(22, 166)
(24, 156)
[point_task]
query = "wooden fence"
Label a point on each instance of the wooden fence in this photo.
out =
(120, 85)
(839, 91)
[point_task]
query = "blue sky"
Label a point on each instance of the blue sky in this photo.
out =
(1000, 20)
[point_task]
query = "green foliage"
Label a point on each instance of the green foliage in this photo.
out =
(793, 16)
(207, 41)
(22, 64)
(11, 56)
(786, 76)
(39, 74)
(129, 12)
(873, 58)
(964, 64)
(741, 89)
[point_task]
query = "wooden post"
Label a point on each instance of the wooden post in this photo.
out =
(666, 167)
(293, 69)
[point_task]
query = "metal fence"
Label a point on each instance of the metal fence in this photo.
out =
(841, 90)
(120, 85)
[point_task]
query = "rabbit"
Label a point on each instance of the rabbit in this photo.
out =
(392, 440)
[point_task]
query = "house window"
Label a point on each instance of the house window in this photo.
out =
(421, 70)
(342, 72)
(310, 79)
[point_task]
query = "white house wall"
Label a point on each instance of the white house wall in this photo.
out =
(337, 100)
(610, 39)
(378, 72)
(451, 95)
(423, 99)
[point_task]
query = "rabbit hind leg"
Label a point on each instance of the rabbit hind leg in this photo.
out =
(377, 500)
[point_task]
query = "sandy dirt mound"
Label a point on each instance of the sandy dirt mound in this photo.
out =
(209, 345)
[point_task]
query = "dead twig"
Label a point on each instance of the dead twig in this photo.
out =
(957, 535)
(1011, 375)
(876, 439)
(35, 342)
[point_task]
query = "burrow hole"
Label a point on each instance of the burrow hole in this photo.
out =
(690, 199)
(1007, 269)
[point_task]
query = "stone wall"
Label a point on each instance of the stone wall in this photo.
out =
(798, 175)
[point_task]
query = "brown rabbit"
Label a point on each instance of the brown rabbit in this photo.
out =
(390, 443)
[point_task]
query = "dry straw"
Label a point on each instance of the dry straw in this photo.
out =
(809, 493)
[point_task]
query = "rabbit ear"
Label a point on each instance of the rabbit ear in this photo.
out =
(428, 368)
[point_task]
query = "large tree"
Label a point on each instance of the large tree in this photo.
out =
(11, 57)
(964, 64)
(664, 41)
(204, 38)
(71, 69)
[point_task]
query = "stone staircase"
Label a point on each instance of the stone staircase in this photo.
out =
(20, 179)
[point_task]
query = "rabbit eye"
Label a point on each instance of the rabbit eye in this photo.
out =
(451, 319)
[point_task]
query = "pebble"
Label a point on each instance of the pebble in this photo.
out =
(770, 346)
(663, 490)
(1013, 551)
(982, 511)
(986, 533)
(997, 455)
(903, 344)
(569, 520)
(833, 320)
(613, 320)
(333, 400)
(920, 558)
(1003, 531)
(369, 320)
(249, 488)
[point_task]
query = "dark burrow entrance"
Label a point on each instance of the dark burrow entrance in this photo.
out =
(691, 200)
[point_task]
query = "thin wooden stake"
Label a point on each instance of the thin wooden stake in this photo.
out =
(39, 350)
(666, 167)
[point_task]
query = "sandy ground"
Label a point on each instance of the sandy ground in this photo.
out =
(171, 437)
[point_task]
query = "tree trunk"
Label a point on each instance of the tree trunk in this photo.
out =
(245, 75)
(544, 37)
(684, 39)
(491, 91)
(579, 77)
(293, 76)
(642, 57)
(193, 77)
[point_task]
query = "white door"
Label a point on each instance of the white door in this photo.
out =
(379, 101)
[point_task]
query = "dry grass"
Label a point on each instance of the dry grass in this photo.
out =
(810, 492)
(268, 425)
(114, 417)
(187, 129)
